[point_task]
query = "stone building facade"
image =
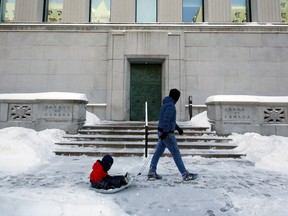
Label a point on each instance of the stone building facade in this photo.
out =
(121, 63)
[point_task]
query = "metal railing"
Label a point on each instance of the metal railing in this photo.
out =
(146, 129)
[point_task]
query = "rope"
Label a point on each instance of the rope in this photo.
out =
(144, 165)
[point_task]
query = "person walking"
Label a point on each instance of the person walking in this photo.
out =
(166, 127)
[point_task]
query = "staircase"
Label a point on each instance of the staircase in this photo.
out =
(128, 139)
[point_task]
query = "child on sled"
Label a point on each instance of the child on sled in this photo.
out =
(100, 178)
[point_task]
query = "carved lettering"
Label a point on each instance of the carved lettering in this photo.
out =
(236, 114)
(55, 112)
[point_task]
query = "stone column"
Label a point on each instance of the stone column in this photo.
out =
(217, 11)
(123, 11)
(265, 11)
(76, 11)
(29, 10)
(169, 11)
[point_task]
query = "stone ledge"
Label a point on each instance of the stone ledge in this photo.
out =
(187, 27)
(241, 113)
(40, 111)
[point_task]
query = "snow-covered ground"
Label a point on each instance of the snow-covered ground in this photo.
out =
(33, 181)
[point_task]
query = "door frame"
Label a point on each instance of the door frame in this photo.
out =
(143, 59)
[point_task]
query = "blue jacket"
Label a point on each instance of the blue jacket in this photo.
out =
(167, 116)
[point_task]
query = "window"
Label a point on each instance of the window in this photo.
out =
(7, 10)
(284, 11)
(241, 11)
(53, 10)
(146, 11)
(100, 11)
(192, 11)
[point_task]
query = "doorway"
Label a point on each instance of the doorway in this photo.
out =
(145, 85)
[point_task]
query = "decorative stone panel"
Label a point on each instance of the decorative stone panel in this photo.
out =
(240, 114)
(20, 112)
(274, 115)
(65, 111)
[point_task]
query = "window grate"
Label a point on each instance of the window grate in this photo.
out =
(20, 112)
(274, 115)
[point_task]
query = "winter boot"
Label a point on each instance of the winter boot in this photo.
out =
(153, 176)
(189, 176)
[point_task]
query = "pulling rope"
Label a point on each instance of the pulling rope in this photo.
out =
(143, 166)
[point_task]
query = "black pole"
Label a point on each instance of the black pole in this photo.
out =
(146, 129)
(190, 106)
(146, 141)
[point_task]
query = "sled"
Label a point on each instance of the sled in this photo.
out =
(114, 190)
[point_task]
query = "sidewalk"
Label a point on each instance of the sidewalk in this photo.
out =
(225, 187)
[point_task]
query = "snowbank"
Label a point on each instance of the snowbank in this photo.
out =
(22, 148)
(267, 152)
(84, 203)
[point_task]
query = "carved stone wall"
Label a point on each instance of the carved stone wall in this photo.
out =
(233, 114)
(68, 114)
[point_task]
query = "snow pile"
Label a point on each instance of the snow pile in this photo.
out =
(267, 152)
(87, 205)
(91, 119)
(22, 148)
(200, 120)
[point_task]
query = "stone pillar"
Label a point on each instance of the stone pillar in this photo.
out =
(265, 11)
(169, 11)
(76, 11)
(217, 11)
(123, 11)
(29, 10)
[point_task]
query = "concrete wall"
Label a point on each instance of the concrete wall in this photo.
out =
(236, 63)
(76, 11)
(242, 114)
(65, 111)
(29, 10)
(95, 60)
(123, 11)
(169, 11)
(217, 11)
(265, 11)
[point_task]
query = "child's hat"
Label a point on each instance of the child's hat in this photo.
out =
(107, 159)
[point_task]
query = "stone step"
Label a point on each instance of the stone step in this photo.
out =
(141, 145)
(135, 126)
(151, 138)
(140, 152)
(138, 132)
(128, 139)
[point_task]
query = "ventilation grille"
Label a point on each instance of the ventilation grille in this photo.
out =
(20, 112)
(274, 115)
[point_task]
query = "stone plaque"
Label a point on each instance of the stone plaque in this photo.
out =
(236, 114)
(57, 112)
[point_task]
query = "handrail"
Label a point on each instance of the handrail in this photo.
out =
(146, 129)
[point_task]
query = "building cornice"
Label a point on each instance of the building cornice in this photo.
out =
(89, 27)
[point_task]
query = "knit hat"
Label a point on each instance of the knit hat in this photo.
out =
(107, 162)
(175, 94)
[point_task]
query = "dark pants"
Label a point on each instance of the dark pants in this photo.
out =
(109, 182)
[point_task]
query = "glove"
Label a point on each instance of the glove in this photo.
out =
(180, 131)
(163, 135)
